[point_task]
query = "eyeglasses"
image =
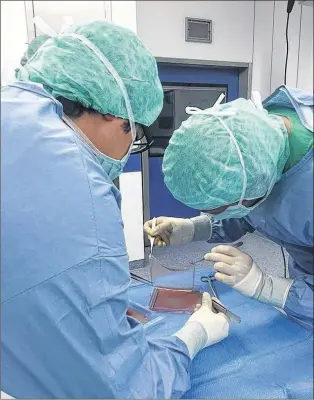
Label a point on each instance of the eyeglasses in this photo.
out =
(143, 140)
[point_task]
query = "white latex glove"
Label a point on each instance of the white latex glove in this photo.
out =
(170, 231)
(204, 328)
(237, 269)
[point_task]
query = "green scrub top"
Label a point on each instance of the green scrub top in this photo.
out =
(300, 138)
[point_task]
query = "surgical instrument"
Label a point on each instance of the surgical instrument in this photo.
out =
(151, 239)
(140, 279)
(216, 305)
(238, 244)
(209, 280)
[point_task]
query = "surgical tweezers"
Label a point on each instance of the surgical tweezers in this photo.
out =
(238, 244)
(216, 305)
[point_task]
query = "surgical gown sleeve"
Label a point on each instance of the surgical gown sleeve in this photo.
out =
(300, 299)
(64, 270)
(230, 230)
(299, 303)
(77, 342)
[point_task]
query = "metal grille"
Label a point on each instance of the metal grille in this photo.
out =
(198, 30)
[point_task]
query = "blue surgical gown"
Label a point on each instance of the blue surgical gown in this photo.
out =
(286, 216)
(65, 274)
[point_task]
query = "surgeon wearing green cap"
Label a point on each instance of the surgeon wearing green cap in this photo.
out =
(248, 166)
(82, 100)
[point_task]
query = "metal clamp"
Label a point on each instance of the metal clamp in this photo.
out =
(216, 305)
(209, 280)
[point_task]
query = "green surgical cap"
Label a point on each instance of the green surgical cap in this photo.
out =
(69, 68)
(201, 165)
(31, 50)
(33, 47)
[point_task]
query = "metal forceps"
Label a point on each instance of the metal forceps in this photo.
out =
(217, 306)
(209, 280)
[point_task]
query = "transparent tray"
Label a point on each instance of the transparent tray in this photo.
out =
(173, 276)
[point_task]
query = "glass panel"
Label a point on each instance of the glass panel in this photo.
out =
(171, 276)
(176, 99)
(199, 29)
(194, 98)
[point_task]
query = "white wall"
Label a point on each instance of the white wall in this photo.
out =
(124, 13)
(263, 42)
(13, 38)
(270, 47)
(161, 26)
(243, 31)
(120, 12)
(305, 70)
(132, 213)
(81, 11)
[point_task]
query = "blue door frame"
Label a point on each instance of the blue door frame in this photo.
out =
(160, 199)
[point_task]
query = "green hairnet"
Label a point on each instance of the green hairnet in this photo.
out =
(68, 68)
(31, 49)
(201, 165)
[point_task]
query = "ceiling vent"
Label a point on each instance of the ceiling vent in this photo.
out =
(198, 30)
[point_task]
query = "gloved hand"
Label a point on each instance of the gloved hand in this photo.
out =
(204, 328)
(237, 269)
(172, 231)
(233, 267)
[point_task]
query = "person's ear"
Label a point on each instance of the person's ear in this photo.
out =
(108, 117)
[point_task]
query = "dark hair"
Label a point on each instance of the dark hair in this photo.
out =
(73, 109)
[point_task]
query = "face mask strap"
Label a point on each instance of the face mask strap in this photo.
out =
(257, 100)
(115, 75)
(215, 110)
(210, 111)
(219, 100)
(240, 157)
(44, 27)
(217, 113)
(75, 128)
(67, 21)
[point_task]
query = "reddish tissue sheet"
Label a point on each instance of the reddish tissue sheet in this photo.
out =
(137, 315)
(174, 300)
